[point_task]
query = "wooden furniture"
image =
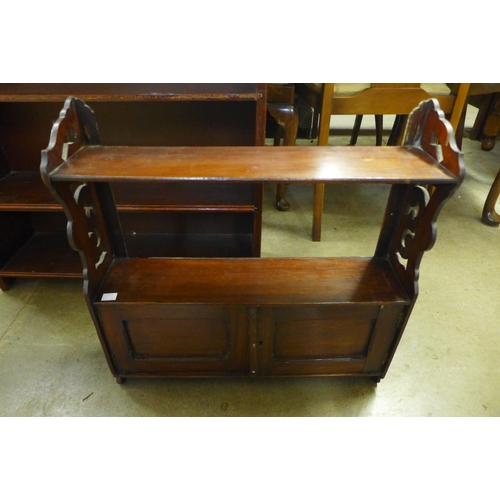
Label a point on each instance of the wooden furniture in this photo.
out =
(281, 106)
(491, 130)
(159, 317)
(32, 225)
(486, 97)
(373, 99)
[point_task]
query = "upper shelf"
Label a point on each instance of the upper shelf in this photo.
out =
(393, 165)
(26, 92)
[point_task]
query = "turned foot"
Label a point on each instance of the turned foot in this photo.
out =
(281, 203)
(6, 283)
(488, 143)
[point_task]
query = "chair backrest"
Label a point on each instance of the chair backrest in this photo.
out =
(388, 99)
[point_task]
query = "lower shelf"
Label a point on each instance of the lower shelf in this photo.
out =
(44, 255)
(253, 281)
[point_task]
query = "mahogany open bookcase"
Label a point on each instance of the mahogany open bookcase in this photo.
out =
(160, 316)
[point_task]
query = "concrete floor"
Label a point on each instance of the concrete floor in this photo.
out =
(51, 363)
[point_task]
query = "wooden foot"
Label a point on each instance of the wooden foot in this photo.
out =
(120, 380)
(488, 143)
(281, 203)
(6, 283)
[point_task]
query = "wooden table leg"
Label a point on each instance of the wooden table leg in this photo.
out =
(490, 216)
(286, 115)
(490, 132)
(492, 126)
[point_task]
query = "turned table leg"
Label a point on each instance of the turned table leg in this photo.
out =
(491, 127)
(286, 116)
(490, 216)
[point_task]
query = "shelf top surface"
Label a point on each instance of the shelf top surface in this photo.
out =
(246, 281)
(39, 92)
(328, 164)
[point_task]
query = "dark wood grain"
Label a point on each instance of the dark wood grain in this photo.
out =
(253, 164)
(246, 281)
(46, 92)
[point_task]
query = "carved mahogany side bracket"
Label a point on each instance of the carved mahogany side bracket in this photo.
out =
(76, 127)
(409, 227)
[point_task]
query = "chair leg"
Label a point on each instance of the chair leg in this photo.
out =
(314, 124)
(355, 130)
(323, 135)
(319, 198)
(398, 130)
(379, 129)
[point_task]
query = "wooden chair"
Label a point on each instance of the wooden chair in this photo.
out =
(380, 99)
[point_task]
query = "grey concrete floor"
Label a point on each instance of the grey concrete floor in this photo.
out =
(51, 363)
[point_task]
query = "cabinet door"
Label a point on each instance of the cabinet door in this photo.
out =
(170, 340)
(325, 339)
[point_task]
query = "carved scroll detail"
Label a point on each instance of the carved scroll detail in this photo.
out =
(74, 129)
(92, 229)
(86, 231)
(429, 131)
(412, 217)
(409, 224)
(409, 227)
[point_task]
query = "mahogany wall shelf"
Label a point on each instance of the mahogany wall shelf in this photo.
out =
(32, 224)
(159, 317)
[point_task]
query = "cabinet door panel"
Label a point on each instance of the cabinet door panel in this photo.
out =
(315, 340)
(160, 339)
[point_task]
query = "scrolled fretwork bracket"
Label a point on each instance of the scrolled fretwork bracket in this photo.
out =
(429, 131)
(409, 227)
(75, 128)
(86, 230)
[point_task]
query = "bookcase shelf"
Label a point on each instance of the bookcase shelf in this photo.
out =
(149, 115)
